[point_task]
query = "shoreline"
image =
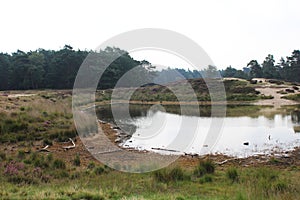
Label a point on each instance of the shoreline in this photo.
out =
(279, 158)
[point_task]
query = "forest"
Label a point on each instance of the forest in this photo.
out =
(57, 69)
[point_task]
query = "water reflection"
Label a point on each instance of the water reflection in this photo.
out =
(247, 130)
(296, 116)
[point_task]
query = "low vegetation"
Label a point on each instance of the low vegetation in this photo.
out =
(236, 90)
(40, 176)
(294, 97)
(46, 117)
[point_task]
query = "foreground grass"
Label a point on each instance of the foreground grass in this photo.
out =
(40, 176)
(250, 183)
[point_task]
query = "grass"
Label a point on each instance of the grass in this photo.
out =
(204, 167)
(294, 97)
(45, 119)
(172, 182)
(232, 174)
(36, 118)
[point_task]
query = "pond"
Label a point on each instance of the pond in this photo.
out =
(243, 130)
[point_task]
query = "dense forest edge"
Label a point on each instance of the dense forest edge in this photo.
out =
(57, 69)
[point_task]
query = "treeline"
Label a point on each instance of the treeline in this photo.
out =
(287, 69)
(42, 69)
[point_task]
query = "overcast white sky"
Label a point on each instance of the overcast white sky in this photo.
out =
(232, 32)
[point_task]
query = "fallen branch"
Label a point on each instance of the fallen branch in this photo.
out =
(70, 147)
(45, 148)
(225, 161)
(161, 149)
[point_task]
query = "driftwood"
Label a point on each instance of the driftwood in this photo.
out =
(161, 149)
(225, 161)
(106, 152)
(45, 148)
(70, 147)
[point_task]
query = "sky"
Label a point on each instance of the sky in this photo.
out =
(232, 32)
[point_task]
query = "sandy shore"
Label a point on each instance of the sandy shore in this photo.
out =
(277, 101)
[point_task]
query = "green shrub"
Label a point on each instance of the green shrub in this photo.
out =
(207, 178)
(91, 165)
(232, 174)
(47, 142)
(60, 174)
(2, 156)
(76, 161)
(199, 171)
(280, 186)
(21, 154)
(21, 179)
(241, 97)
(49, 157)
(176, 174)
(40, 161)
(204, 167)
(99, 170)
(266, 97)
(164, 175)
(75, 175)
(161, 175)
(295, 97)
(59, 164)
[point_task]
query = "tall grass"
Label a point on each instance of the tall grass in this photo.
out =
(204, 167)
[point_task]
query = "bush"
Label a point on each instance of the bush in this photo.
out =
(242, 97)
(21, 179)
(204, 167)
(266, 97)
(99, 170)
(207, 178)
(175, 174)
(232, 174)
(76, 161)
(75, 175)
(47, 142)
(2, 156)
(49, 157)
(60, 174)
(280, 186)
(21, 154)
(277, 82)
(40, 161)
(59, 164)
(91, 165)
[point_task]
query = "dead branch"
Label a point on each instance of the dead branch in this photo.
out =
(225, 161)
(45, 148)
(70, 147)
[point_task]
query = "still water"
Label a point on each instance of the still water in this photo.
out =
(242, 131)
